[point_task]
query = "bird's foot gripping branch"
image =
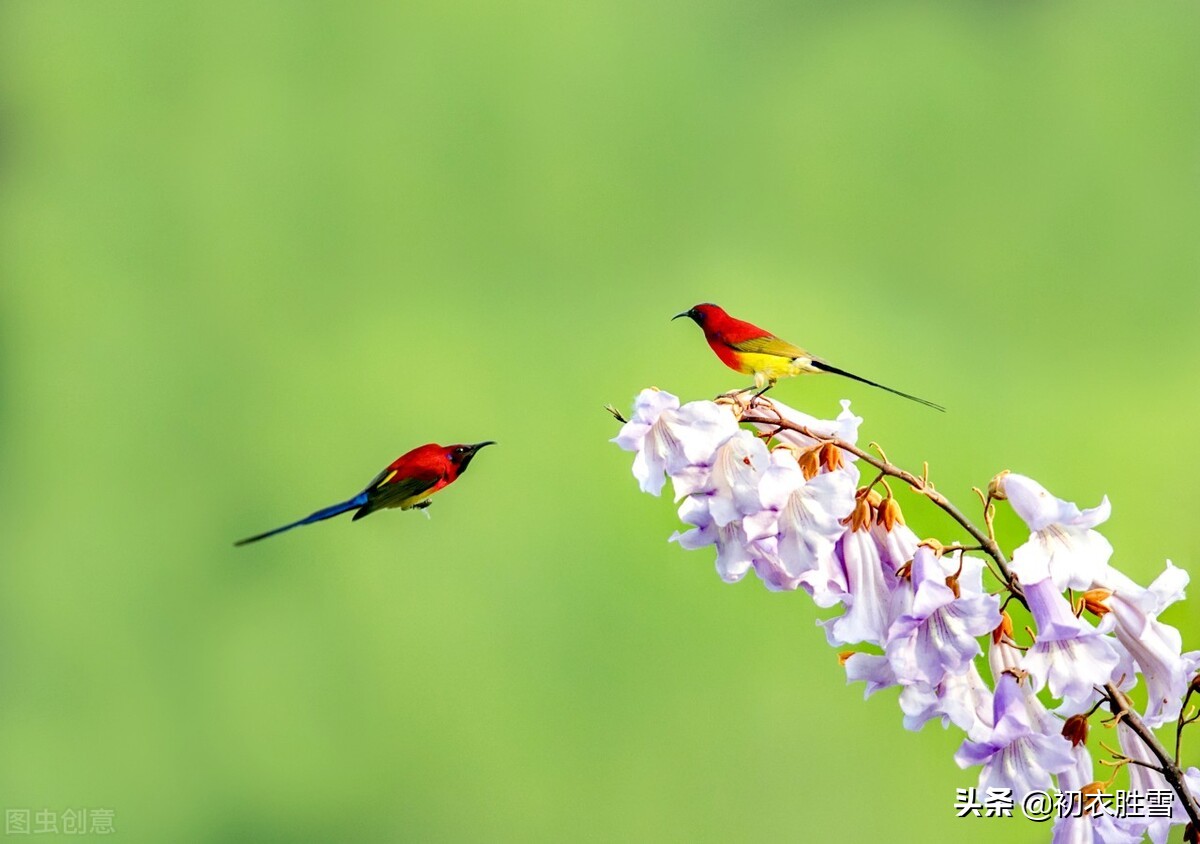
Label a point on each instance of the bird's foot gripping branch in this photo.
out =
(795, 500)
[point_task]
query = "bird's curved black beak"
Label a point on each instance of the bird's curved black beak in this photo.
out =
(472, 450)
(688, 314)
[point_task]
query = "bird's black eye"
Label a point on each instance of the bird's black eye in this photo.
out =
(698, 315)
(460, 450)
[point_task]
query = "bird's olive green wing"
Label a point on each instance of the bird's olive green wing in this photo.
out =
(385, 492)
(769, 345)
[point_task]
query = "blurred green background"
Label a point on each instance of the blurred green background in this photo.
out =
(252, 252)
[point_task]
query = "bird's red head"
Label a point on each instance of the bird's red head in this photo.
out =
(459, 456)
(705, 315)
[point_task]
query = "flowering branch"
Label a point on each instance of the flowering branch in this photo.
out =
(782, 498)
(763, 413)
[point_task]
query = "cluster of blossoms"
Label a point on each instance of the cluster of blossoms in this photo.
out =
(783, 497)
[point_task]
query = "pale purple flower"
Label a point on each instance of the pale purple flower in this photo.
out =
(804, 515)
(938, 634)
(737, 470)
(1069, 654)
(1062, 544)
(1154, 647)
(896, 546)
(962, 699)
(872, 669)
(668, 438)
(868, 590)
(766, 566)
(1014, 754)
(734, 556)
(736, 553)
(1005, 658)
(647, 407)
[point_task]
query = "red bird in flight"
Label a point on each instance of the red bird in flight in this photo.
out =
(746, 348)
(407, 483)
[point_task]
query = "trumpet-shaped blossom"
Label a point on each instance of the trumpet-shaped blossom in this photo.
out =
(737, 469)
(868, 591)
(1005, 658)
(961, 699)
(1069, 654)
(939, 634)
(896, 546)
(804, 515)
(668, 438)
(1015, 754)
(1062, 544)
(1155, 648)
(734, 554)
(873, 669)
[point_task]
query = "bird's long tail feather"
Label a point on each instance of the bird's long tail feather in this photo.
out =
(825, 367)
(328, 513)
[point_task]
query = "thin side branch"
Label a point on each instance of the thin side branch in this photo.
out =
(1171, 771)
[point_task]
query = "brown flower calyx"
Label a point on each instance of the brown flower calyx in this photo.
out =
(1093, 601)
(1003, 632)
(1088, 796)
(1075, 730)
(889, 514)
(873, 497)
(996, 486)
(860, 517)
(831, 457)
(810, 462)
(952, 582)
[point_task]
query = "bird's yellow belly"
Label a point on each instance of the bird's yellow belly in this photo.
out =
(408, 503)
(772, 367)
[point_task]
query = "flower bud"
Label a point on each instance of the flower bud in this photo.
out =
(889, 514)
(860, 518)
(831, 456)
(1004, 630)
(952, 582)
(1093, 601)
(1091, 788)
(1075, 730)
(996, 486)
(810, 463)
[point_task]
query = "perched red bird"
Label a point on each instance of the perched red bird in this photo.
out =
(746, 348)
(407, 483)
